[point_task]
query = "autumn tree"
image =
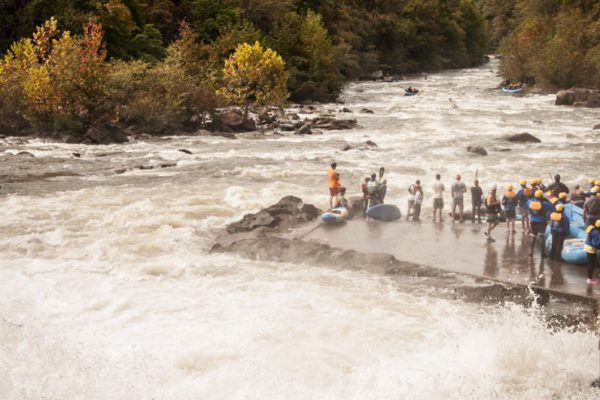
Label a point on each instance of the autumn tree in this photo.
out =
(254, 76)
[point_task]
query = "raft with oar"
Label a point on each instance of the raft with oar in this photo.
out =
(384, 212)
(410, 93)
(335, 216)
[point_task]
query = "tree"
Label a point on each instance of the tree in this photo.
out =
(254, 76)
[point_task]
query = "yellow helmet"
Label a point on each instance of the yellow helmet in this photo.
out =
(509, 187)
(522, 182)
(562, 195)
(539, 194)
(597, 182)
(533, 181)
(598, 224)
(592, 180)
(559, 207)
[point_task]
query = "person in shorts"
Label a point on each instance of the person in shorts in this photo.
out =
(458, 190)
(492, 209)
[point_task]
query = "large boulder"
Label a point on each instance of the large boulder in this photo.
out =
(105, 134)
(524, 137)
(478, 150)
(231, 118)
(597, 126)
(578, 97)
(290, 211)
(304, 130)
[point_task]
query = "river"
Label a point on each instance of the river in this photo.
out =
(108, 290)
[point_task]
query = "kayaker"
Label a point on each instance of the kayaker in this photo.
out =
(557, 186)
(559, 227)
(334, 183)
(591, 247)
(523, 195)
(438, 197)
(539, 209)
(457, 190)
(509, 201)
(476, 201)
(492, 208)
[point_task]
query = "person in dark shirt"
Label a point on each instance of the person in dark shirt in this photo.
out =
(557, 187)
(476, 200)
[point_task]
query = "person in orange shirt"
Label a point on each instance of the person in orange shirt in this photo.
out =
(334, 183)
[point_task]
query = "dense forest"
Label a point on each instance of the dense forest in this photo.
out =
(551, 43)
(162, 63)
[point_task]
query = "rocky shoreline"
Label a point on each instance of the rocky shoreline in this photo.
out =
(276, 234)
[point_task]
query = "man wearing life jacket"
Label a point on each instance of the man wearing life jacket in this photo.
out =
(591, 208)
(559, 227)
(509, 201)
(591, 247)
(492, 208)
(539, 209)
(562, 198)
(523, 195)
(373, 191)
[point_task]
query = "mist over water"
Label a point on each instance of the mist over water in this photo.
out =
(108, 290)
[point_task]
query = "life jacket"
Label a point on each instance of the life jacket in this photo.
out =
(556, 222)
(589, 246)
(527, 192)
(577, 196)
(510, 201)
(372, 188)
(536, 208)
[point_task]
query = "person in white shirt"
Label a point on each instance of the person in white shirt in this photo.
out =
(438, 197)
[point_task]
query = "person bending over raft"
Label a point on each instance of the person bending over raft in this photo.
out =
(539, 208)
(578, 196)
(559, 227)
(509, 201)
(523, 195)
(591, 247)
(591, 208)
(492, 208)
(342, 201)
(476, 201)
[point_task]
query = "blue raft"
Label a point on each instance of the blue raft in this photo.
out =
(384, 212)
(335, 216)
(509, 90)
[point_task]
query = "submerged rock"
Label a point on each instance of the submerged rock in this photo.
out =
(332, 123)
(479, 150)
(578, 97)
(304, 130)
(367, 111)
(185, 151)
(596, 127)
(524, 137)
(105, 134)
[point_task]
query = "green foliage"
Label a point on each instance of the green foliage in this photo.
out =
(311, 56)
(210, 17)
(554, 44)
(254, 76)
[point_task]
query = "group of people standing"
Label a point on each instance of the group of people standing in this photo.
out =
(537, 206)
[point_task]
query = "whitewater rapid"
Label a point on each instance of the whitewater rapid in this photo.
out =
(108, 290)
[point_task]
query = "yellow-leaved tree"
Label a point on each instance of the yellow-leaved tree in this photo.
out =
(254, 76)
